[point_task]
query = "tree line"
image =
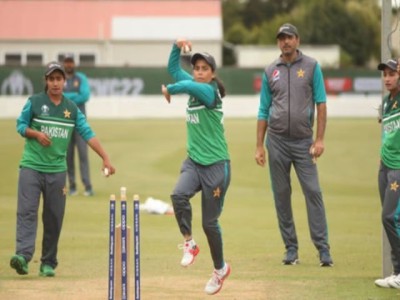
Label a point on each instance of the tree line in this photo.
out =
(354, 25)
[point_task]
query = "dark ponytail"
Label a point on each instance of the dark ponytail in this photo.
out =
(221, 87)
(46, 88)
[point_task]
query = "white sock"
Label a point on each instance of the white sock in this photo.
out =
(191, 242)
(222, 270)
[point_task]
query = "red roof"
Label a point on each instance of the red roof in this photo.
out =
(87, 19)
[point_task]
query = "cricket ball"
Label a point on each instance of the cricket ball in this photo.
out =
(186, 49)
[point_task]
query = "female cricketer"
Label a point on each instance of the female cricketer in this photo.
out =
(389, 170)
(47, 122)
(207, 167)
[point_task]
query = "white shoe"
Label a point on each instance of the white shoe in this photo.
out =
(216, 281)
(190, 250)
(385, 282)
(394, 282)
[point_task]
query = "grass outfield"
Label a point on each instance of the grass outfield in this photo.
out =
(147, 155)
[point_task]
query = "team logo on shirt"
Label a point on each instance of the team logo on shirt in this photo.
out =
(394, 105)
(276, 75)
(394, 186)
(45, 110)
(217, 192)
(300, 73)
(67, 114)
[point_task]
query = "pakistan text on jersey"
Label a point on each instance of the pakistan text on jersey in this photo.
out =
(391, 126)
(192, 118)
(57, 132)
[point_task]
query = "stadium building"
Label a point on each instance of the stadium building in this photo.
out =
(105, 33)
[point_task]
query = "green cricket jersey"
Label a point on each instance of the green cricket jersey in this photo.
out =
(58, 122)
(390, 150)
(206, 142)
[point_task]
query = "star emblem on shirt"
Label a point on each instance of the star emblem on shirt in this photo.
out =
(300, 73)
(394, 105)
(394, 186)
(217, 192)
(67, 114)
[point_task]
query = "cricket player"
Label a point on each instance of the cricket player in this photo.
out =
(207, 167)
(77, 89)
(292, 92)
(47, 122)
(389, 170)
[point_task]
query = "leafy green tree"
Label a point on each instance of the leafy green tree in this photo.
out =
(231, 13)
(237, 33)
(252, 13)
(350, 24)
(354, 25)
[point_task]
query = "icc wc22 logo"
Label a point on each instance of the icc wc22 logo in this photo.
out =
(16, 84)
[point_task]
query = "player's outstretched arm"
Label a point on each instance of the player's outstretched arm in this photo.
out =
(94, 143)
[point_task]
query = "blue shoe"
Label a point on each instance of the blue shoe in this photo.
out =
(291, 257)
(18, 262)
(73, 192)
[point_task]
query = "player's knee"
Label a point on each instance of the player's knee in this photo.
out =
(210, 227)
(387, 220)
(314, 195)
(282, 193)
(179, 200)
